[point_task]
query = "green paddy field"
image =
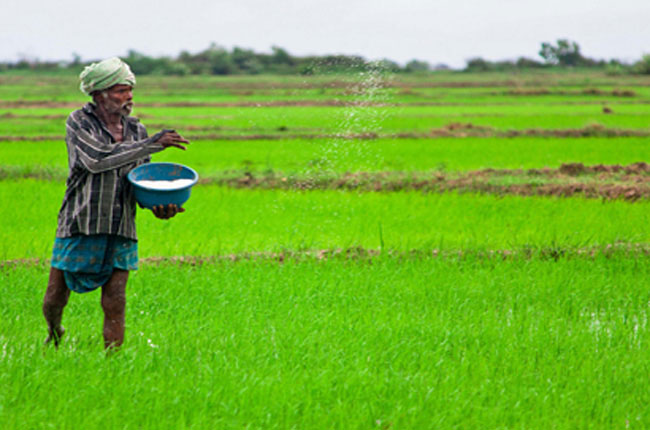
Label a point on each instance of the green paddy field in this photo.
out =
(363, 251)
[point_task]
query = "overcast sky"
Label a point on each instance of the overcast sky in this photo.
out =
(437, 31)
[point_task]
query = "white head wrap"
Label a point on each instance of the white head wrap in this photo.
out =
(105, 74)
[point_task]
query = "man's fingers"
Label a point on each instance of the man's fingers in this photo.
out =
(174, 139)
(173, 210)
(181, 140)
(178, 145)
(178, 138)
(159, 211)
(163, 212)
(175, 136)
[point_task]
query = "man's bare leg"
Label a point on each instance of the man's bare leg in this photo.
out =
(114, 304)
(56, 297)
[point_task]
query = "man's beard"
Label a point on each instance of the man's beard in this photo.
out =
(123, 109)
(126, 108)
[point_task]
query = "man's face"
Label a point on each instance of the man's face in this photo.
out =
(118, 99)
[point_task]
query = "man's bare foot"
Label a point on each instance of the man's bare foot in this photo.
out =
(55, 335)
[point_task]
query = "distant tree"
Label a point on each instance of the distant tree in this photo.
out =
(441, 66)
(246, 61)
(547, 52)
(481, 65)
(307, 69)
(615, 68)
(195, 64)
(503, 65)
(215, 60)
(140, 63)
(417, 66)
(76, 60)
(384, 65)
(341, 63)
(565, 53)
(642, 66)
(220, 61)
(528, 63)
(25, 62)
(478, 64)
(280, 56)
(175, 68)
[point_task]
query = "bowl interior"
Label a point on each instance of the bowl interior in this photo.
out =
(162, 172)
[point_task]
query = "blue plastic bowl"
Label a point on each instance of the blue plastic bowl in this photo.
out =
(149, 197)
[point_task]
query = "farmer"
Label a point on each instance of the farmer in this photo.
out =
(96, 243)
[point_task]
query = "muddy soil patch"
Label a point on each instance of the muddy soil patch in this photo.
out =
(39, 104)
(584, 92)
(454, 129)
(629, 183)
(10, 116)
(359, 253)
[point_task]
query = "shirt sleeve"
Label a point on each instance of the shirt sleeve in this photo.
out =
(142, 134)
(98, 156)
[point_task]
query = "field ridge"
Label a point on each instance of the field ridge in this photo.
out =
(632, 250)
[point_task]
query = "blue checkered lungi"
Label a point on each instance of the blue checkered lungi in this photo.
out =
(87, 262)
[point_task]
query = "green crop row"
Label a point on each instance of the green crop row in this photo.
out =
(61, 87)
(306, 157)
(449, 96)
(276, 127)
(204, 112)
(221, 220)
(392, 343)
(341, 120)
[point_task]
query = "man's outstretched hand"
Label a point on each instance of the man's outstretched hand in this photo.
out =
(171, 138)
(163, 212)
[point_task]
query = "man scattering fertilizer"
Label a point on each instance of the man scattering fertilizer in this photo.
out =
(96, 242)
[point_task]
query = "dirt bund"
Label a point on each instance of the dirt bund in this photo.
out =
(575, 169)
(570, 169)
(630, 183)
(584, 92)
(554, 253)
(45, 104)
(610, 182)
(276, 103)
(630, 193)
(9, 116)
(30, 138)
(326, 78)
(457, 129)
(451, 130)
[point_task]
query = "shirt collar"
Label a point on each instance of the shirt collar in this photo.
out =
(128, 122)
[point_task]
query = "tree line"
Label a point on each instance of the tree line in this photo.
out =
(563, 54)
(217, 60)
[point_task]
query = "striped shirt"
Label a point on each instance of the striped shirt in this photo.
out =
(98, 197)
